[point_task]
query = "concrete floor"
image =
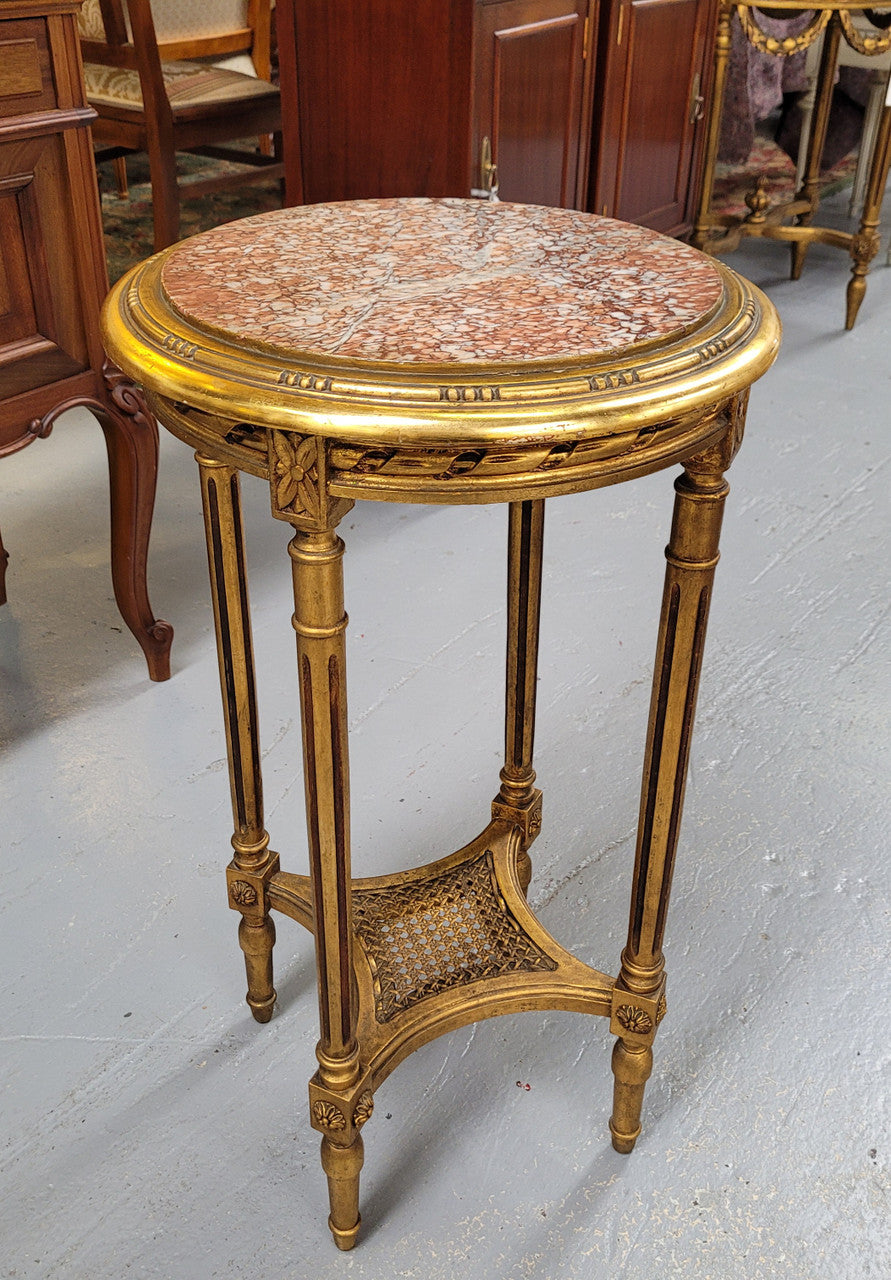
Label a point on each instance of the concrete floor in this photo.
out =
(151, 1129)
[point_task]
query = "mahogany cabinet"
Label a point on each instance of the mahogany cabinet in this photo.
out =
(396, 97)
(591, 104)
(653, 73)
(52, 283)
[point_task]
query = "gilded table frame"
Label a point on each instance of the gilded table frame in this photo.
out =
(323, 434)
(793, 221)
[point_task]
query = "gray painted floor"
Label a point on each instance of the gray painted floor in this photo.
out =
(151, 1129)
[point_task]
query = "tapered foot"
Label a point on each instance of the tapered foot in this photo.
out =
(799, 253)
(342, 1167)
(855, 295)
(257, 941)
(631, 1068)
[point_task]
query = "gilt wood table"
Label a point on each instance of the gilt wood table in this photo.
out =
(442, 351)
(794, 220)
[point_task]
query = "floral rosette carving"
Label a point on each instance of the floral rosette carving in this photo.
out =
(633, 1019)
(327, 1116)
(242, 893)
(295, 474)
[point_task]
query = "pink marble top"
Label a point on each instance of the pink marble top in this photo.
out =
(440, 282)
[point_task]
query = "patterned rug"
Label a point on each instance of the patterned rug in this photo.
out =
(767, 160)
(128, 222)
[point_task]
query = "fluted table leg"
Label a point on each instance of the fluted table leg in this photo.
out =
(320, 623)
(253, 863)
(692, 554)
(518, 799)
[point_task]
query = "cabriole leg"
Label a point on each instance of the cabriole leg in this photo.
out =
(518, 800)
(336, 1109)
(692, 554)
(253, 863)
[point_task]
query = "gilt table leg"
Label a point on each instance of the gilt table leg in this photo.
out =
(865, 244)
(810, 185)
(692, 554)
(337, 1108)
(699, 238)
(518, 799)
(253, 863)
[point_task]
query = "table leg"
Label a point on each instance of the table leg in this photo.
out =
(518, 799)
(865, 244)
(253, 863)
(320, 623)
(701, 228)
(810, 187)
(639, 1001)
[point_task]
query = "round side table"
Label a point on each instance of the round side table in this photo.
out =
(442, 351)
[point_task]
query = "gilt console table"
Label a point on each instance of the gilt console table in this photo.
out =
(793, 220)
(442, 351)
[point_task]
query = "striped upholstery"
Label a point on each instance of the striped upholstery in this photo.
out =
(188, 84)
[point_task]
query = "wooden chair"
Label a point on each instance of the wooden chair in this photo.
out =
(153, 73)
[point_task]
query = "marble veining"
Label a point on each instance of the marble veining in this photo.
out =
(440, 281)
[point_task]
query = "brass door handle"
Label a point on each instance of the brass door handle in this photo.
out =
(488, 170)
(697, 100)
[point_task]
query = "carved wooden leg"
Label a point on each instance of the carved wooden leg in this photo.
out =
(865, 244)
(518, 799)
(4, 561)
(810, 187)
(131, 442)
(320, 623)
(692, 553)
(253, 863)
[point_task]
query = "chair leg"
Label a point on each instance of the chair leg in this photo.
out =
(120, 177)
(165, 197)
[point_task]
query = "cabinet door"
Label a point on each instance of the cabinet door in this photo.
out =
(531, 99)
(655, 57)
(375, 97)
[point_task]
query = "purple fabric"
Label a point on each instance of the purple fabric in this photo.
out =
(756, 83)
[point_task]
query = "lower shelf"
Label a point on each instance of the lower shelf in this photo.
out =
(446, 945)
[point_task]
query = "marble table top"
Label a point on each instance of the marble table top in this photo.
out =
(444, 282)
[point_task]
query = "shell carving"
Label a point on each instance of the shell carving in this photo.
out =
(634, 1019)
(364, 1109)
(327, 1116)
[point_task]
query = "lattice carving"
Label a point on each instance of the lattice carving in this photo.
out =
(430, 936)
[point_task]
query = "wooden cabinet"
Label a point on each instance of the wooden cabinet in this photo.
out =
(394, 97)
(653, 68)
(584, 103)
(531, 102)
(52, 282)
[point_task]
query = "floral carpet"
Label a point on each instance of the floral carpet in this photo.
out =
(128, 222)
